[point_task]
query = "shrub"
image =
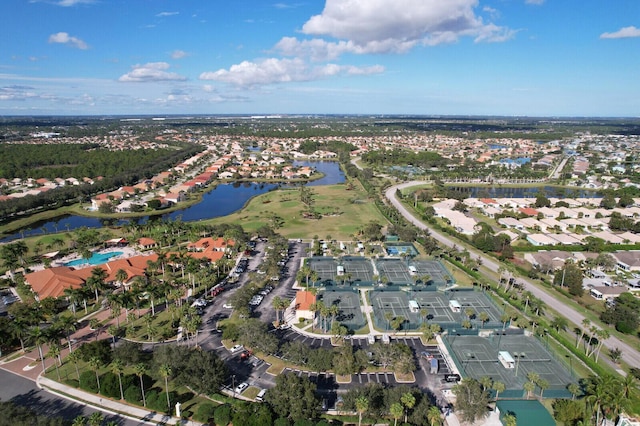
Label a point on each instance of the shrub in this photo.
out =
(109, 385)
(205, 412)
(133, 395)
(88, 381)
(222, 415)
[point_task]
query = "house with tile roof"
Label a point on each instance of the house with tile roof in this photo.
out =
(304, 300)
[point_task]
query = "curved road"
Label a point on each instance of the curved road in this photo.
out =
(629, 354)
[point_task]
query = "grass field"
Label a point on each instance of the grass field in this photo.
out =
(344, 212)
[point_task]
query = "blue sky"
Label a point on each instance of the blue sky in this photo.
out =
(475, 57)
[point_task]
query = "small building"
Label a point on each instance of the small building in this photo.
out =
(506, 359)
(606, 292)
(304, 300)
(455, 306)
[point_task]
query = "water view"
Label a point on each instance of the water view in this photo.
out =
(95, 259)
(223, 200)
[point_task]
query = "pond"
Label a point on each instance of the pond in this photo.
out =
(223, 200)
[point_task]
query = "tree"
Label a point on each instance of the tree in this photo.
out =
(362, 405)
(434, 416)
(509, 420)
(409, 401)
(483, 317)
(95, 419)
(498, 387)
(165, 372)
(293, 397)
(39, 337)
(95, 363)
(141, 369)
(396, 411)
(117, 367)
(570, 276)
(559, 323)
(471, 399)
(529, 387)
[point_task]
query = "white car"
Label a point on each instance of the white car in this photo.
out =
(227, 306)
(235, 349)
(241, 387)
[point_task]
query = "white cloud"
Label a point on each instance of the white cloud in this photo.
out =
(152, 71)
(625, 32)
(274, 70)
(165, 14)
(65, 38)
(384, 26)
(178, 54)
(536, 2)
(68, 3)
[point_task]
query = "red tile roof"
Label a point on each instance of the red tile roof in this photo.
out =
(304, 300)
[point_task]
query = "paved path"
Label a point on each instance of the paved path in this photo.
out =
(630, 354)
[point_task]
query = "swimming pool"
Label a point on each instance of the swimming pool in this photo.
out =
(95, 259)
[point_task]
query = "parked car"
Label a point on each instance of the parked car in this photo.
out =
(235, 349)
(241, 387)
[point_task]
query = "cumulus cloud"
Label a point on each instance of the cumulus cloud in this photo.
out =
(274, 70)
(65, 38)
(385, 26)
(626, 32)
(152, 71)
(178, 54)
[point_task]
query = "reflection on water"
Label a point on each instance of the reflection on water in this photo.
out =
(223, 200)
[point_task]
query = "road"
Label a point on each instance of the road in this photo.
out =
(629, 354)
(26, 393)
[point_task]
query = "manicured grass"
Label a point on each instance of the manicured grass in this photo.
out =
(341, 219)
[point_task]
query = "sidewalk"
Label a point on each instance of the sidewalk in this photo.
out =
(142, 415)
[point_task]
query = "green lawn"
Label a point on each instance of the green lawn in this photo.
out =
(343, 211)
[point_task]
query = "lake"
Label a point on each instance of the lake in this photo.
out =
(223, 200)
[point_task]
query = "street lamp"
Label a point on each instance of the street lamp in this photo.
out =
(233, 384)
(570, 363)
(518, 356)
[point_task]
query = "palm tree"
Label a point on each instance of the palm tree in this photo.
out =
(424, 314)
(96, 418)
(529, 387)
(542, 384)
(277, 305)
(434, 416)
(409, 401)
(79, 421)
(510, 420)
(95, 364)
(602, 335)
(67, 325)
(165, 372)
(96, 281)
(585, 326)
(483, 317)
(117, 367)
(122, 276)
(396, 411)
(140, 370)
(334, 310)
(54, 352)
(498, 387)
(574, 389)
(39, 337)
(74, 358)
(362, 405)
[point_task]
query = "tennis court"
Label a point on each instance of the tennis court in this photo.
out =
(477, 357)
(393, 304)
(438, 306)
(437, 273)
(325, 267)
(348, 302)
(396, 271)
(400, 248)
(359, 270)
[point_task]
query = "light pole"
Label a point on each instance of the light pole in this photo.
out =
(570, 364)
(233, 384)
(518, 356)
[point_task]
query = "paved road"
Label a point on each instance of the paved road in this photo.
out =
(629, 354)
(24, 392)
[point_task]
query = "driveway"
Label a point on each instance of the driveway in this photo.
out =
(629, 354)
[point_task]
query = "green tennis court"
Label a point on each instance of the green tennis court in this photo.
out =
(348, 302)
(395, 270)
